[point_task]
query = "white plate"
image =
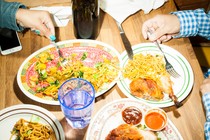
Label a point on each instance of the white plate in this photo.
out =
(9, 116)
(109, 117)
(181, 86)
(21, 76)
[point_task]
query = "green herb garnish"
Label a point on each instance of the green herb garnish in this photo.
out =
(84, 56)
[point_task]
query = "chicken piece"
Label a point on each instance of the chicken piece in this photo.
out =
(125, 132)
(165, 84)
(146, 88)
(130, 132)
(153, 90)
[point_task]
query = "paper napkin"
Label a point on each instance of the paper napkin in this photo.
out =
(61, 14)
(122, 9)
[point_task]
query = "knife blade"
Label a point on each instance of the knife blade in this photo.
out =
(126, 42)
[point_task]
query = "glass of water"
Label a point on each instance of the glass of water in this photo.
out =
(77, 97)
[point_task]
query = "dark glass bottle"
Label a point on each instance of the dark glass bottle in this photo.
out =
(86, 18)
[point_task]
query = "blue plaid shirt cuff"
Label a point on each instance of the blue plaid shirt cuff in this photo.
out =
(193, 23)
(207, 74)
(187, 23)
(206, 103)
(207, 130)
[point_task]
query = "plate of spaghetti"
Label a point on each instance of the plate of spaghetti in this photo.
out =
(145, 77)
(42, 73)
(29, 122)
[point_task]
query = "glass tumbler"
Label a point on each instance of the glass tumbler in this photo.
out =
(77, 97)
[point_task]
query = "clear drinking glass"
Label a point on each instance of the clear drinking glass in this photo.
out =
(77, 97)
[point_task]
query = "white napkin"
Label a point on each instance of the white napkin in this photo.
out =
(121, 9)
(61, 14)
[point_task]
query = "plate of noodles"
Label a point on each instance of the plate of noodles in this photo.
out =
(42, 73)
(110, 117)
(29, 121)
(146, 79)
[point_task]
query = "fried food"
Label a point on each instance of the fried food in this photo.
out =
(125, 132)
(130, 132)
(149, 78)
(165, 84)
(146, 89)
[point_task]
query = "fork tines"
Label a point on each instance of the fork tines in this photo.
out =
(172, 71)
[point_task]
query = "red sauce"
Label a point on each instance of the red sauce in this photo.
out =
(154, 120)
(132, 115)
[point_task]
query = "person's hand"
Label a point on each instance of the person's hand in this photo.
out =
(162, 26)
(36, 20)
(205, 86)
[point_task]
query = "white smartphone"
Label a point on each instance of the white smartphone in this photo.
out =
(9, 41)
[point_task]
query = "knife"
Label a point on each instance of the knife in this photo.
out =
(126, 42)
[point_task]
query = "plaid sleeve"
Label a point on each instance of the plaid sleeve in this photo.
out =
(207, 74)
(206, 103)
(207, 130)
(193, 23)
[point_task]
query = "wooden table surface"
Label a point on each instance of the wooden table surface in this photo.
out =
(189, 119)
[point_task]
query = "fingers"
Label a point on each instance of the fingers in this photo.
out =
(149, 24)
(165, 38)
(36, 20)
(164, 27)
(44, 31)
(205, 86)
(145, 30)
(156, 34)
(45, 25)
(207, 80)
(49, 30)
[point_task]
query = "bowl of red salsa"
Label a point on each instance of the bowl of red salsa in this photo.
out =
(155, 119)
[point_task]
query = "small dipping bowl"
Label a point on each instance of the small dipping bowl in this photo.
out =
(155, 119)
(132, 115)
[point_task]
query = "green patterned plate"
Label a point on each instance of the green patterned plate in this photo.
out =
(181, 86)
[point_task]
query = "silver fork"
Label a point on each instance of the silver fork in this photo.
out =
(63, 60)
(170, 69)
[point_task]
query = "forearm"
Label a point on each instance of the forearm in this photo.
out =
(193, 23)
(8, 12)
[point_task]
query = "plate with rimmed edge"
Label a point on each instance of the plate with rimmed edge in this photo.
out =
(9, 116)
(99, 49)
(182, 86)
(109, 117)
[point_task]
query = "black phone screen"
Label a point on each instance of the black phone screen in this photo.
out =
(8, 39)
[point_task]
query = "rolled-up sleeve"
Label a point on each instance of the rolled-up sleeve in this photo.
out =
(206, 103)
(8, 12)
(193, 23)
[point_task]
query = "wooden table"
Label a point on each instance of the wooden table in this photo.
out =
(189, 119)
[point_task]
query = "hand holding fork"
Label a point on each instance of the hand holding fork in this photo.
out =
(169, 68)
